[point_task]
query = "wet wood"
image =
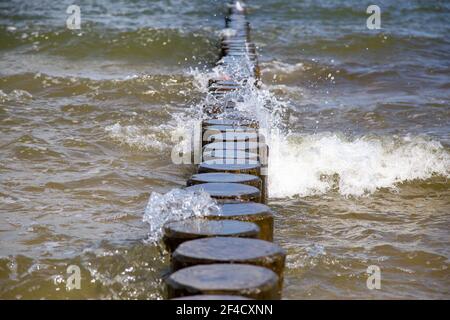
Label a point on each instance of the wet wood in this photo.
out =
(229, 191)
(257, 213)
(249, 146)
(222, 88)
(234, 136)
(230, 250)
(211, 166)
(226, 130)
(175, 233)
(220, 128)
(221, 177)
(230, 157)
(230, 279)
(212, 82)
(236, 166)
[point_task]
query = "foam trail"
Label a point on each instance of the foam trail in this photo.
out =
(140, 137)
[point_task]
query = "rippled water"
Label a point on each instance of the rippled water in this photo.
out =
(358, 172)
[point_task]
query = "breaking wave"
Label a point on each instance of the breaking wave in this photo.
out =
(315, 164)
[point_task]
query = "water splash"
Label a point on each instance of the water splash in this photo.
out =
(239, 6)
(315, 164)
(176, 205)
(249, 101)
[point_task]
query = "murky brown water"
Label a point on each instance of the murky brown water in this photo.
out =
(359, 178)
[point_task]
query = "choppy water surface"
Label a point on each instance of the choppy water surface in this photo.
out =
(358, 175)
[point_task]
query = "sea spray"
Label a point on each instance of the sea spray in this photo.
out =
(315, 164)
(176, 205)
(250, 101)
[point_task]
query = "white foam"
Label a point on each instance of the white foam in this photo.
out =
(15, 95)
(139, 137)
(306, 165)
(276, 66)
(239, 6)
(315, 164)
(176, 205)
(7, 200)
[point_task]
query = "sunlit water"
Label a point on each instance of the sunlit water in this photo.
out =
(359, 136)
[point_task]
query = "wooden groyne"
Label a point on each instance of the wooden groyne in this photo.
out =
(229, 254)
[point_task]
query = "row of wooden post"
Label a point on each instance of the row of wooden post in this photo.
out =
(228, 254)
